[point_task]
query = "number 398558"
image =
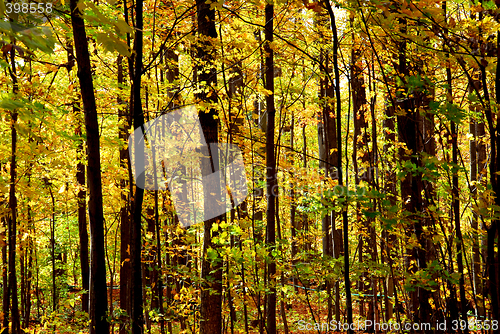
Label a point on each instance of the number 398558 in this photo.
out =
(28, 7)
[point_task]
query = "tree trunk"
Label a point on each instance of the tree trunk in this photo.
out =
(211, 271)
(172, 65)
(124, 125)
(272, 180)
(493, 262)
(483, 179)
(135, 288)
(82, 200)
(12, 218)
(98, 306)
(363, 162)
(5, 281)
(53, 245)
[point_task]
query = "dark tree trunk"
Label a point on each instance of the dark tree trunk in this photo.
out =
(98, 306)
(456, 201)
(12, 219)
(211, 271)
(172, 65)
(411, 190)
(391, 191)
(362, 156)
(135, 288)
(328, 147)
(82, 201)
(53, 245)
(482, 175)
(158, 264)
(272, 180)
(5, 277)
(26, 306)
(493, 262)
(124, 119)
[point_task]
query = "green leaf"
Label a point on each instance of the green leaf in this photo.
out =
(371, 214)
(212, 254)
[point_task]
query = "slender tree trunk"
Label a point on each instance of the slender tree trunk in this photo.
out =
(22, 272)
(159, 281)
(493, 262)
(476, 255)
(124, 125)
(456, 200)
(272, 180)
(483, 179)
(53, 245)
(172, 65)
(98, 306)
(82, 201)
(12, 218)
(5, 281)
(26, 314)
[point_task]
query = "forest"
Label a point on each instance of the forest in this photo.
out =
(259, 166)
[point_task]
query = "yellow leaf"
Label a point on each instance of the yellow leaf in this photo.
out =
(123, 26)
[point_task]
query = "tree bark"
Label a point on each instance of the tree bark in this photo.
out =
(82, 198)
(272, 180)
(5, 279)
(135, 288)
(98, 306)
(125, 210)
(211, 272)
(12, 218)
